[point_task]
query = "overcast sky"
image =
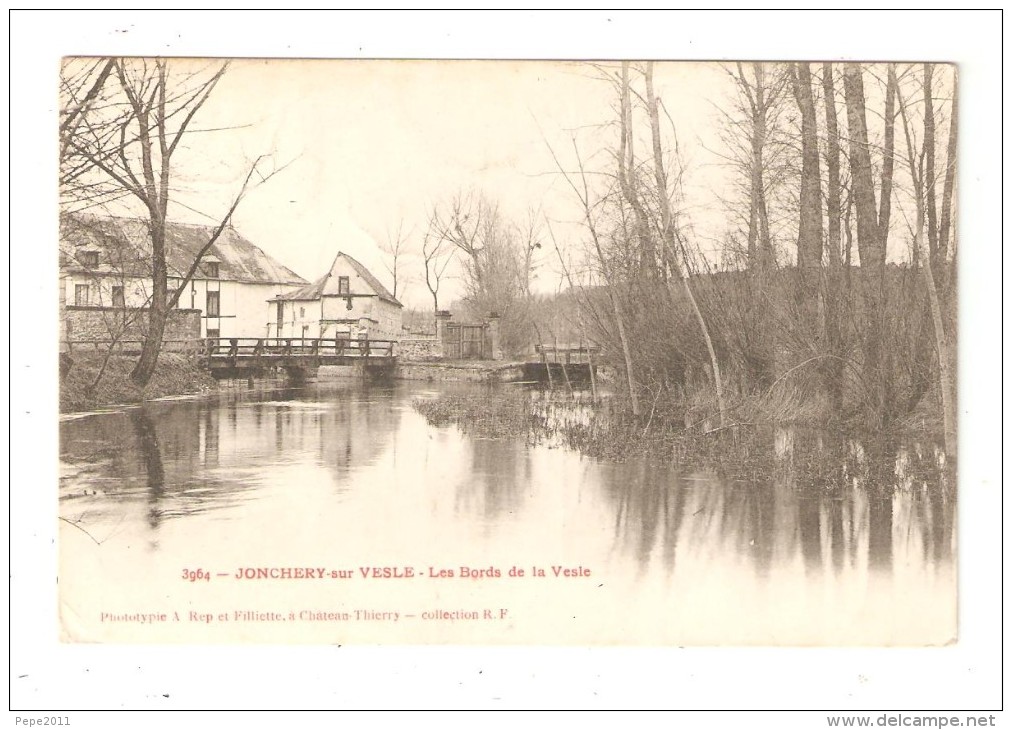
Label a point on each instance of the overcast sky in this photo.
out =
(368, 143)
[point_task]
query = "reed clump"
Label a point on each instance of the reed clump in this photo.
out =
(749, 451)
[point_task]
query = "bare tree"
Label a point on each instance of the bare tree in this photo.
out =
(810, 204)
(668, 233)
(125, 148)
(871, 235)
(395, 247)
(88, 107)
(761, 91)
(917, 163)
(437, 255)
(496, 258)
(834, 281)
(757, 150)
(590, 208)
(945, 224)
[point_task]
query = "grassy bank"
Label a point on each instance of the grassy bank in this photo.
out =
(816, 455)
(176, 374)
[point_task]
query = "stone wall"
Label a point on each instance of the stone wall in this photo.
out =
(85, 327)
(419, 348)
(477, 372)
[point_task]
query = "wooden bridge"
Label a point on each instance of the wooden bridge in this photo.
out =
(568, 354)
(563, 365)
(239, 357)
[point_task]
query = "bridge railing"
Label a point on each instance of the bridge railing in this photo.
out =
(566, 353)
(301, 347)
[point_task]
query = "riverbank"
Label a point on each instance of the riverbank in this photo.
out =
(752, 450)
(176, 374)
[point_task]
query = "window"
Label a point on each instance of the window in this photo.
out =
(211, 267)
(343, 287)
(213, 302)
(281, 317)
(302, 312)
(88, 258)
(118, 299)
(81, 295)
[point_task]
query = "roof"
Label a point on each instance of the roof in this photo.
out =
(327, 285)
(125, 246)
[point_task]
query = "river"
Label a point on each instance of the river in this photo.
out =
(208, 519)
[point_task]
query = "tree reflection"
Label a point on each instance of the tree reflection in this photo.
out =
(151, 458)
(831, 505)
(497, 472)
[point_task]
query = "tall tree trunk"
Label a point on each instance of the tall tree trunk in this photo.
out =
(668, 233)
(810, 228)
(888, 354)
(761, 357)
(156, 186)
(870, 240)
(760, 248)
(628, 183)
(922, 347)
(929, 166)
(943, 343)
(623, 337)
(888, 153)
(945, 223)
(833, 372)
(810, 218)
(159, 312)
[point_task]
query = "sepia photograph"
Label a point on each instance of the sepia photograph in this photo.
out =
(602, 351)
(501, 351)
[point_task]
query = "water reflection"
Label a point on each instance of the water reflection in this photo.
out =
(862, 517)
(355, 470)
(151, 456)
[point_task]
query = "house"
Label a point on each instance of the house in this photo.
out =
(105, 270)
(347, 300)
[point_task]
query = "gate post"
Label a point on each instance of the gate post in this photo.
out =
(494, 336)
(442, 319)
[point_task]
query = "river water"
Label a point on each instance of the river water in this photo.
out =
(334, 513)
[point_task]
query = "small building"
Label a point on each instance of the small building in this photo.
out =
(346, 301)
(105, 270)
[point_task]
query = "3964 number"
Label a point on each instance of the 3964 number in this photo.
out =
(194, 575)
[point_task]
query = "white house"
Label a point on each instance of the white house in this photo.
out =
(347, 300)
(105, 264)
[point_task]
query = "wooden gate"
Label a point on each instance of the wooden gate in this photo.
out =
(465, 342)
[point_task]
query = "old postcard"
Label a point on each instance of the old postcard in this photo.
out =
(507, 352)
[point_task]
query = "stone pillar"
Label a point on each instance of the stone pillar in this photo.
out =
(494, 335)
(442, 318)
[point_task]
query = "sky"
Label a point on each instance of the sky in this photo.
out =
(365, 145)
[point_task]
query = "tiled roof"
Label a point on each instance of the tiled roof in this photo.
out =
(327, 285)
(124, 248)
